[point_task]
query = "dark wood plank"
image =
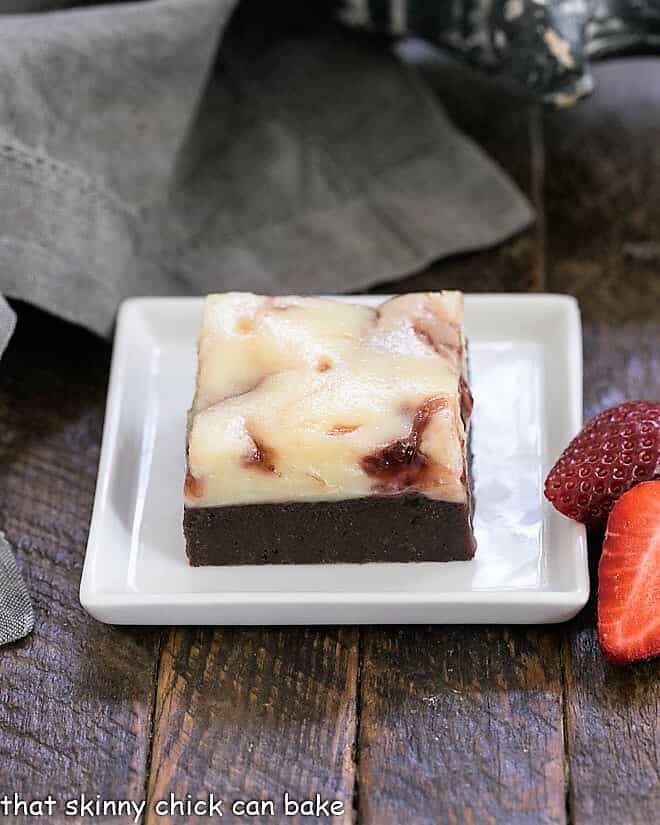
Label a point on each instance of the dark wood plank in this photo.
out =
(603, 213)
(254, 713)
(76, 696)
(603, 195)
(461, 725)
(464, 724)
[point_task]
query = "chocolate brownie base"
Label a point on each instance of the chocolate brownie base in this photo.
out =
(408, 528)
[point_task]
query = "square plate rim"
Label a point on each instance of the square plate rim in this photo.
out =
(95, 602)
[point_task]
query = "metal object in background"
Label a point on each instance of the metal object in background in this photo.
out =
(544, 44)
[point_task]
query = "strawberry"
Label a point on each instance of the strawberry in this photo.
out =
(614, 451)
(629, 577)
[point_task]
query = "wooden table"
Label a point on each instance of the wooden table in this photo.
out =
(405, 725)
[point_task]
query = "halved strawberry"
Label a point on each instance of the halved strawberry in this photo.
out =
(614, 451)
(629, 577)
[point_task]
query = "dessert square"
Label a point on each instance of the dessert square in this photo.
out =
(326, 432)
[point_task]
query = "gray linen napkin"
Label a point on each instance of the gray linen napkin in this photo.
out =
(150, 149)
(137, 157)
(16, 616)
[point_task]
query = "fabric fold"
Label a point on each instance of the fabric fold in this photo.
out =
(16, 615)
(176, 155)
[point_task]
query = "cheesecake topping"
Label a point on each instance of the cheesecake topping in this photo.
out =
(303, 399)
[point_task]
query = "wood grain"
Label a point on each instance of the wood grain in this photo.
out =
(461, 725)
(603, 212)
(603, 196)
(254, 713)
(76, 696)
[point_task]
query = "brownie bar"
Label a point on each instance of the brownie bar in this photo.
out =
(326, 432)
(377, 529)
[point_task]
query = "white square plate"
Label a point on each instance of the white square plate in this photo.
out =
(531, 562)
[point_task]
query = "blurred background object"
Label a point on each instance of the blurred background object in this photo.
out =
(545, 46)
